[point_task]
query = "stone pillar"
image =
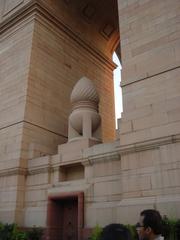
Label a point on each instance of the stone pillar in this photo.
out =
(150, 123)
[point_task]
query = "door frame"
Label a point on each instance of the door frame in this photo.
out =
(62, 196)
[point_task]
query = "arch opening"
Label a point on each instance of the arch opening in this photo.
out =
(117, 88)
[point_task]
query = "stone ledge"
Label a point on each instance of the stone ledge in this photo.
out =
(13, 171)
(149, 200)
(88, 160)
(148, 144)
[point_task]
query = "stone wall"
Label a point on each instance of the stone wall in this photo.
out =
(150, 123)
(15, 58)
(57, 63)
(41, 60)
(150, 69)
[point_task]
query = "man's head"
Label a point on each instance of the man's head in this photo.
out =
(150, 224)
(115, 232)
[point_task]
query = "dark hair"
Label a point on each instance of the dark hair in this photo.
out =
(152, 219)
(115, 232)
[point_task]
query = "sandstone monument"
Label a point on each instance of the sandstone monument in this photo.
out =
(61, 165)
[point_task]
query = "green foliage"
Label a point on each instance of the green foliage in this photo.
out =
(21, 236)
(35, 233)
(133, 232)
(170, 228)
(96, 233)
(18, 235)
(11, 232)
(178, 229)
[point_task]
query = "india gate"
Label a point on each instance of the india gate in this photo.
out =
(63, 165)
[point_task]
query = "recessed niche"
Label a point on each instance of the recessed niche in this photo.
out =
(71, 172)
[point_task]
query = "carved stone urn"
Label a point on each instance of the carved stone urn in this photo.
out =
(84, 121)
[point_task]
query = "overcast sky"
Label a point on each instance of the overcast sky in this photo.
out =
(117, 89)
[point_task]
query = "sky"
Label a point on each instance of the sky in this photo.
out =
(117, 88)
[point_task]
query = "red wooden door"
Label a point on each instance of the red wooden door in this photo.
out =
(70, 219)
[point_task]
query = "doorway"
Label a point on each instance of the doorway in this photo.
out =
(65, 216)
(69, 219)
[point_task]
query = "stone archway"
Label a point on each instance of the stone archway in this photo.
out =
(47, 45)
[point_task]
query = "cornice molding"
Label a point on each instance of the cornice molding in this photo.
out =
(37, 11)
(121, 150)
(40, 169)
(19, 17)
(106, 157)
(13, 171)
(148, 144)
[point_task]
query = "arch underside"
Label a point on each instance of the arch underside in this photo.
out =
(96, 22)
